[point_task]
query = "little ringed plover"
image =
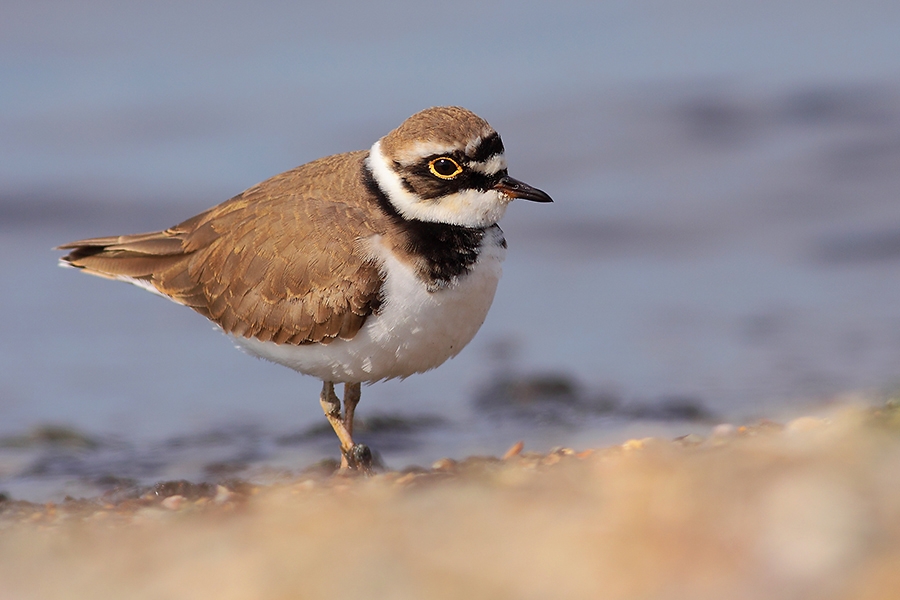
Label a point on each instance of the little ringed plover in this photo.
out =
(353, 268)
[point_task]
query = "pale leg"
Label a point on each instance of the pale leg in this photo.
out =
(332, 407)
(353, 456)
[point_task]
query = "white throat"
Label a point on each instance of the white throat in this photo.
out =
(468, 208)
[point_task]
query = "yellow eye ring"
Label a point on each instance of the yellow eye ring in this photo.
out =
(444, 167)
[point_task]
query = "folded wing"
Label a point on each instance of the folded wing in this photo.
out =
(282, 262)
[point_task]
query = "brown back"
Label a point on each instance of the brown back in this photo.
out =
(284, 261)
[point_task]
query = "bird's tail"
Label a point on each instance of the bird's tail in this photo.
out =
(132, 258)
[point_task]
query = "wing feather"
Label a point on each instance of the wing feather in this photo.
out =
(262, 264)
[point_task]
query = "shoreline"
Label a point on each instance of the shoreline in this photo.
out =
(810, 508)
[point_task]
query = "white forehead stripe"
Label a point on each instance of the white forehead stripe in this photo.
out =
(421, 149)
(491, 166)
(473, 145)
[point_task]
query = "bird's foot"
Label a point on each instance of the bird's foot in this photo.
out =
(358, 458)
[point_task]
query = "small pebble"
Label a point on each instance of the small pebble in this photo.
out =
(514, 450)
(173, 502)
(444, 464)
(635, 444)
(223, 494)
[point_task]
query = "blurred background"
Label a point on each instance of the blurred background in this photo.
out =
(724, 245)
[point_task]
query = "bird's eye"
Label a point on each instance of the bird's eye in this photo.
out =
(444, 167)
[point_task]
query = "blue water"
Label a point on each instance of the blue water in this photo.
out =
(726, 226)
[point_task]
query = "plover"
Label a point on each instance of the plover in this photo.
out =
(357, 267)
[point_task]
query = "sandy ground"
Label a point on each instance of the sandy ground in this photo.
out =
(807, 509)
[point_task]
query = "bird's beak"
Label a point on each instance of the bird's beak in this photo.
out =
(516, 189)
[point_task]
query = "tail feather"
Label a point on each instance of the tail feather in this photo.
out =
(128, 257)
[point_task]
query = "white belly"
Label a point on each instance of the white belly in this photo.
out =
(416, 330)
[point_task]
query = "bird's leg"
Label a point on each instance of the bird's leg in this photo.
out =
(359, 457)
(351, 399)
(353, 456)
(332, 407)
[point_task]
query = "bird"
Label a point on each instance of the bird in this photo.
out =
(353, 268)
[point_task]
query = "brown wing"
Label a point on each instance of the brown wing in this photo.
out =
(284, 261)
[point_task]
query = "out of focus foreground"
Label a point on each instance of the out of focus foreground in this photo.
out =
(807, 509)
